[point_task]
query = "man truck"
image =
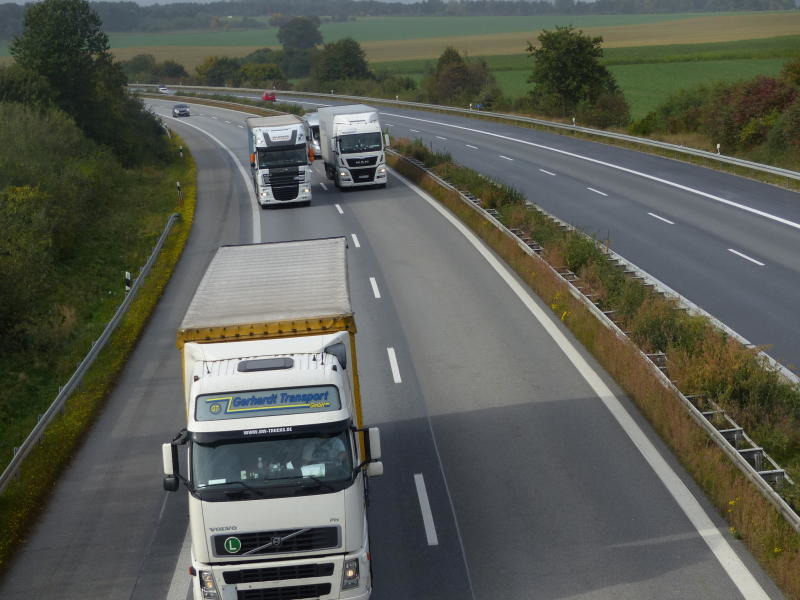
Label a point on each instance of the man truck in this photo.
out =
(280, 160)
(278, 461)
(352, 145)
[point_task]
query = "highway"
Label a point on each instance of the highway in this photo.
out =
(542, 479)
(728, 244)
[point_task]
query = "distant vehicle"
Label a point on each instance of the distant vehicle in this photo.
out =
(162, 89)
(268, 97)
(180, 110)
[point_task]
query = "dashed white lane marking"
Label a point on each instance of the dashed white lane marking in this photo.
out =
(339, 208)
(229, 123)
(740, 575)
(414, 130)
(355, 240)
(240, 126)
(655, 216)
(375, 289)
(744, 256)
(471, 146)
(425, 508)
(505, 157)
(596, 191)
(547, 172)
(323, 186)
(213, 117)
(393, 365)
(441, 138)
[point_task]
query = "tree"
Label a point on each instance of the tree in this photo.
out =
(568, 68)
(344, 59)
(63, 42)
(300, 33)
(219, 70)
(457, 80)
(262, 75)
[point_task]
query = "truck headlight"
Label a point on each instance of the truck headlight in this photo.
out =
(381, 171)
(208, 586)
(264, 195)
(350, 574)
(343, 173)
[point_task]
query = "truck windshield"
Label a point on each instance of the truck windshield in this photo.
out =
(360, 142)
(272, 467)
(269, 159)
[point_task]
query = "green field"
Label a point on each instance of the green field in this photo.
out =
(647, 74)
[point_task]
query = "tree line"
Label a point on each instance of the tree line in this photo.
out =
(70, 136)
(129, 16)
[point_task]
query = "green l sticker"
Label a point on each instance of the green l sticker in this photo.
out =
(232, 545)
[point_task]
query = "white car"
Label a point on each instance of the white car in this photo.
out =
(162, 89)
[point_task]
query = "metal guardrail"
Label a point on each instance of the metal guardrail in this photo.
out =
(712, 156)
(756, 465)
(64, 393)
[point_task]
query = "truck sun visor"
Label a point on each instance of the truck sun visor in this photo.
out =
(265, 364)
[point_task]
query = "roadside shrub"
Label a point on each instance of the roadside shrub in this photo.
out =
(608, 110)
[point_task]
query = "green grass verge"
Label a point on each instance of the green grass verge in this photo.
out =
(715, 363)
(25, 497)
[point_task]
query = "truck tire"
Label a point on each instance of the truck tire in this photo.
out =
(329, 173)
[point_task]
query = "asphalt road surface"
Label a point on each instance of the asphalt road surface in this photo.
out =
(543, 481)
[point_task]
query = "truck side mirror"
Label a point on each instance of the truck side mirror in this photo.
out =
(386, 140)
(375, 469)
(333, 145)
(374, 444)
(169, 455)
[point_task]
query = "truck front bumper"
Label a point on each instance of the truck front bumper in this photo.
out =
(318, 578)
(360, 177)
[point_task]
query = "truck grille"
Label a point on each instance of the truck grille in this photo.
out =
(362, 175)
(285, 192)
(362, 162)
(280, 542)
(278, 573)
(285, 593)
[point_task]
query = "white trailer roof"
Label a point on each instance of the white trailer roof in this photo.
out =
(349, 109)
(275, 121)
(281, 281)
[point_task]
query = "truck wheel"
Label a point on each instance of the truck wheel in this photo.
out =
(329, 173)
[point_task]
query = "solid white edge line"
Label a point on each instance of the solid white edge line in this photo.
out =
(393, 364)
(655, 216)
(255, 209)
(742, 578)
(425, 508)
(547, 172)
(375, 290)
(506, 157)
(181, 581)
(667, 182)
(339, 208)
(596, 191)
(355, 240)
(744, 256)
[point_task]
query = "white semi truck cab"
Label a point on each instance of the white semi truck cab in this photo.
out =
(278, 462)
(279, 159)
(352, 145)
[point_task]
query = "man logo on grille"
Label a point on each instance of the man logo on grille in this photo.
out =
(232, 545)
(276, 540)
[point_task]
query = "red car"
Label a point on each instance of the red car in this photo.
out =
(268, 97)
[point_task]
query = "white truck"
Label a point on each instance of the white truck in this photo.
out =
(278, 461)
(352, 145)
(279, 159)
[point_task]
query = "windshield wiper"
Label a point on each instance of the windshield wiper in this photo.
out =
(319, 482)
(242, 483)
